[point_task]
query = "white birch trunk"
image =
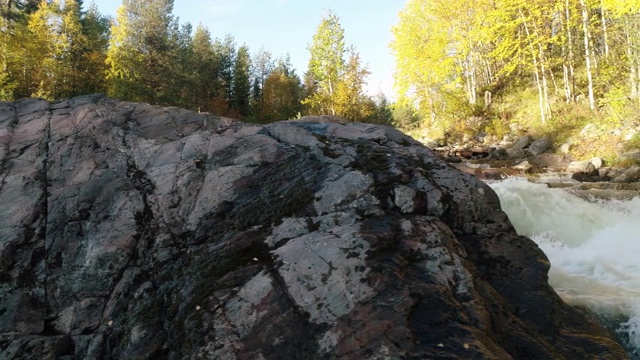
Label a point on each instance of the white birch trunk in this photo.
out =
(587, 53)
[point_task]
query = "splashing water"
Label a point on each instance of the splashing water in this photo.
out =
(593, 247)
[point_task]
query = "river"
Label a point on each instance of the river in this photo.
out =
(593, 247)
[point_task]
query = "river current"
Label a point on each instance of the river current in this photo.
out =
(593, 247)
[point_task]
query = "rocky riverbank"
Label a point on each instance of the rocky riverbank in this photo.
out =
(526, 156)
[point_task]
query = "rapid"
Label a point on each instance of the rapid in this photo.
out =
(593, 247)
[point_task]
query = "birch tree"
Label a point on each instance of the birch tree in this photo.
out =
(326, 63)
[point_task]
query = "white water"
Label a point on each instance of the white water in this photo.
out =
(593, 247)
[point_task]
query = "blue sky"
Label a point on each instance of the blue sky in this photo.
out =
(283, 26)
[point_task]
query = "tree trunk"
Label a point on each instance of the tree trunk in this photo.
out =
(587, 52)
(570, 84)
(605, 35)
(474, 81)
(539, 83)
(631, 34)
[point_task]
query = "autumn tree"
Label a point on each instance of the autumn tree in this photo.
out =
(350, 100)
(281, 93)
(326, 64)
(56, 50)
(144, 52)
(447, 52)
(335, 85)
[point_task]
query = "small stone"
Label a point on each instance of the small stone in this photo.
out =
(524, 166)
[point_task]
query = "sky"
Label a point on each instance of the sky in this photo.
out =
(287, 26)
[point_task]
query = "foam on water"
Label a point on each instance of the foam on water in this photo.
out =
(593, 247)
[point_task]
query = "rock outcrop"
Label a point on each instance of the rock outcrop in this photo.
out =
(129, 231)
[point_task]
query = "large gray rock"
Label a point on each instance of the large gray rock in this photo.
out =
(539, 146)
(129, 231)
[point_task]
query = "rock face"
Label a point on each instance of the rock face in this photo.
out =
(129, 231)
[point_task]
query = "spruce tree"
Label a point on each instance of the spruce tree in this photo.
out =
(242, 81)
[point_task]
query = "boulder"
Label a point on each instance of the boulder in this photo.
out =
(631, 174)
(522, 142)
(131, 231)
(523, 166)
(631, 155)
(539, 146)
(586, 167)
(552, 162)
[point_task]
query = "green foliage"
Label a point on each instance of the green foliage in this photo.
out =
(241, 81)
(146, 53)
(281, 93)
(326, 64)
(55, 49)
(405, 115)
(618, 109)
(335, 85)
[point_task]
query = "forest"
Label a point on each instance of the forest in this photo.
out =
(57, 49)
(547, 67)
(551, 67)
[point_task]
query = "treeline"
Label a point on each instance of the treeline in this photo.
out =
(452, 55)
(55, 49)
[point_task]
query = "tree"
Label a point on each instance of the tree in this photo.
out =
(46, 45)
(95, 28)
(326, 63)
(144, 52)
(262, 67)
(225, 54)
(335, 86)
(204, 66)
(350, 100)
(426, 69)
(242, 81)
(12, 54)
(281, 93)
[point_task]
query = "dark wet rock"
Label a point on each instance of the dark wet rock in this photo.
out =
(453, 159)
(129, 231)
(590, 177)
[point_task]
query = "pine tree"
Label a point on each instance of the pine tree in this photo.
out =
(205, 67)
(242, 81)
(75, 45)
(93, 67)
